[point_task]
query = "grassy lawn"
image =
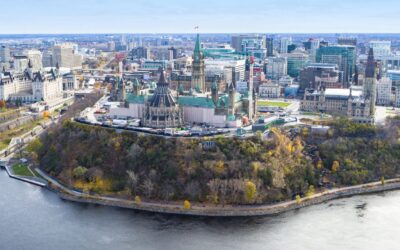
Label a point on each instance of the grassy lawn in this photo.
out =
(21, 169)
(4, 143)
(273, 104)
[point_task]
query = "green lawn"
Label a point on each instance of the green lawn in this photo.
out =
(4, 143)
(21, 169)
(273, 104)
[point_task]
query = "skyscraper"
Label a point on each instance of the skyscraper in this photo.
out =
(198, 77)
(341, 55)
(270, 46)
(284, 43)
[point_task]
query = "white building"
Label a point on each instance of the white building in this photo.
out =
(384, 91)
(70, 82)
(30, 87)
(20, 63)
(276, 68)
(220, 66)
(269, 90)
(64, 55)
(35, 57)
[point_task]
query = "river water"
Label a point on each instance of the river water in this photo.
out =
(34, 218)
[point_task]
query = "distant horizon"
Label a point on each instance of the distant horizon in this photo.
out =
(207, 33)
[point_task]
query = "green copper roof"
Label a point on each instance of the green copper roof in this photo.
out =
(197, 50)
(223, 100)
(192, 101)
(197, 46)
(131, 98)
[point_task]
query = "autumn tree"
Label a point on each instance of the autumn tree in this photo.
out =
(3, 104)
(335, 166)
(79, 172)
(250, 191)
(186, 204)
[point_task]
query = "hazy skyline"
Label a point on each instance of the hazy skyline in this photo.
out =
(218, 16)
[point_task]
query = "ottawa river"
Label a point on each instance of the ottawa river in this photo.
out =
(35, 218)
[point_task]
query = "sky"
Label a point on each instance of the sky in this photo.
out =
(212, 16)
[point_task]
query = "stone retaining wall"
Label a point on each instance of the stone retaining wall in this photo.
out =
(235, 211)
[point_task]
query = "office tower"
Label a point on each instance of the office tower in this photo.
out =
(198, 77)
(173, 53)
(384, 91)
(270, 46)
(5, 54)
(381, 48)
(35, 58)
(319, 74)
(351, 41)
(342, 55)
(296, 62)
(241, 42)
(284, 43)
(63, 56)
(140, 52)
(311, 46)
(276, 68)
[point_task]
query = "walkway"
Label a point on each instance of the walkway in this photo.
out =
(198, 209)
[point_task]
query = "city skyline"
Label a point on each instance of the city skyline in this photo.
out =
(177, 16)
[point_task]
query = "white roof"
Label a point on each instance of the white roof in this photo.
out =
(341, 92)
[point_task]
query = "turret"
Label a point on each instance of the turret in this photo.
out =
(214, 92)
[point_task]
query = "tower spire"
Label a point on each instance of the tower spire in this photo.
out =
(370, 69)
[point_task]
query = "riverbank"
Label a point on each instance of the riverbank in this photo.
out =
(66, 193)
(29, 179)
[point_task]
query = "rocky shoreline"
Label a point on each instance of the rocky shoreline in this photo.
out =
(208, 210)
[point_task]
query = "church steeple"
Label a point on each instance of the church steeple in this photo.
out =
(371, 66)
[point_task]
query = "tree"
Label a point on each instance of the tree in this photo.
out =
(79, 172)
(320, 165)
(3, 104)
(132, 180)
(186, 204)
(138, 200)
(298, 199)
(335, 166)
(250, 191)
(310, 191)
(219, 167)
